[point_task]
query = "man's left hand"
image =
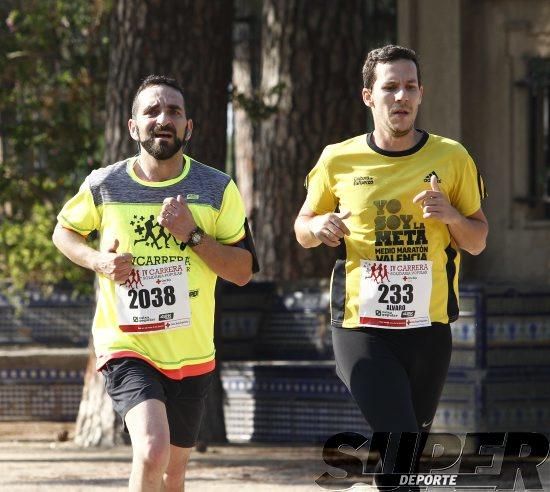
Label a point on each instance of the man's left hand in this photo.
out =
(435, 204)
(176, 217)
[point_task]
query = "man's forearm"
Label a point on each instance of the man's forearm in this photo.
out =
(469, 234)
(228, 262)
(115, 266)
(74, 247)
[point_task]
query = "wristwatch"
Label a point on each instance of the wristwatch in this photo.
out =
(195, 237)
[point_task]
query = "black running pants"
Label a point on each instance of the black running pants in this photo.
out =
(395, 376)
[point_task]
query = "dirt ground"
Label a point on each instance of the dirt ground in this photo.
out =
(33, 459)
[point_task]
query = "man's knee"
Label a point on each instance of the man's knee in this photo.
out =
(174, 479)
(153, 452)
(175, 472)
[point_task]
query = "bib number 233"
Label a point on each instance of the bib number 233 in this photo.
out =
(395, 294)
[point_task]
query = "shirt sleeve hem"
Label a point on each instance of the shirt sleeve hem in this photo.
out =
(234, 238)
(67, 225)
(471, 211)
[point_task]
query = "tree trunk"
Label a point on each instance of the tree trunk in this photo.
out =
(96, 424)
(189, 40)
(246, 75)
(316, 50)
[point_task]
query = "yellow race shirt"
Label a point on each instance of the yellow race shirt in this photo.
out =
(389, 236)
(164, 313)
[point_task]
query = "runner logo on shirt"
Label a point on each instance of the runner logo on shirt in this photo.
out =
(151, 233)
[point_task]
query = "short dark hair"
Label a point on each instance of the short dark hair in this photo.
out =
(152, 80)
(388, 53)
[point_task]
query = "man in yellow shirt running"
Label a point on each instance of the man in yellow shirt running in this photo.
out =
(399, 203)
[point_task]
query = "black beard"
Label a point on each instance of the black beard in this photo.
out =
(161, 151)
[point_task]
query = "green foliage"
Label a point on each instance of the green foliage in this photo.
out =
(53, 71)
(255, 105)
(29, 259)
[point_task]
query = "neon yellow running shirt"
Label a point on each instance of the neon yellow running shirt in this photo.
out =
(165, 312)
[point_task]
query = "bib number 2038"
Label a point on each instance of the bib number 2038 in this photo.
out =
(156, 297)
(398, 294)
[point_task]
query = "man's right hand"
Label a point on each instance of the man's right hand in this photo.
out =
(330, 228)
(113, 265)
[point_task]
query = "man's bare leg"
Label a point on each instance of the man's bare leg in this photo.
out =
(148, 426)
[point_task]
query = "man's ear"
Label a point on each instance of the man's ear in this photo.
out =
(189, 130)
(367, 97)
(132, 128)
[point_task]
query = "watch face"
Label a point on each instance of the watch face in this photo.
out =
(196, 237)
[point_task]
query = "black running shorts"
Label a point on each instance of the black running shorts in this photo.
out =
(130, 381)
